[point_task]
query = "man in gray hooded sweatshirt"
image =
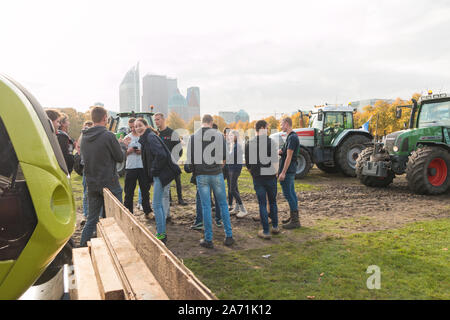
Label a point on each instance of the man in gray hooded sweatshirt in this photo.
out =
(100, 151)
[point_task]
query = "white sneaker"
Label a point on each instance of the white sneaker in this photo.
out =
(139, 207)
(235, 210)
(242, 211)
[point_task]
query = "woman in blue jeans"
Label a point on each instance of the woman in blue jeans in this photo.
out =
(234, 164)
(160, 169)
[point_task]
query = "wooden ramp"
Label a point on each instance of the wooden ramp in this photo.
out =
(128, 262)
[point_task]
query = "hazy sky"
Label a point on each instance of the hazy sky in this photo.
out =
(262, 56)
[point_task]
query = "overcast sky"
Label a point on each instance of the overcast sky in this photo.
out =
(261, 56)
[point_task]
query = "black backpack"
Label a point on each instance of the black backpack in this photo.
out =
(77, 166)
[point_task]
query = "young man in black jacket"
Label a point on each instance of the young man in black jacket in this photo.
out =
(261, 160)
(172, 141)
(100, 151)
(206, 156)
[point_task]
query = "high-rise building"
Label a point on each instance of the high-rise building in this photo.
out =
(172, 87)
(155, 93)
(179, 105)
(129, 93)
(228, 116)
(193, 97)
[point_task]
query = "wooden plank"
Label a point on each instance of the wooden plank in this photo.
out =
(175, 278)
(85, 282)
(129, 294)
(108, 281)
(142, 281)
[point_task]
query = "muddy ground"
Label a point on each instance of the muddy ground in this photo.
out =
(340, 203)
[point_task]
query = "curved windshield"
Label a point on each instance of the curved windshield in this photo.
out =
(435, 114)
(123, 121)
(315, 123)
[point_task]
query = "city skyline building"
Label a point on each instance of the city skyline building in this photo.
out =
(231, 116)
(155, 93)
(193, 97)
(129, 91)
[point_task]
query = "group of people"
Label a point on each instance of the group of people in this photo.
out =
(152, 159)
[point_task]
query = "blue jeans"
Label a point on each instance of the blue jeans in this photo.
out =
(160, 203)
(204, 185)
(198, 207)
(85, 198)
(96, 202)
(267, 187)
(288, 188)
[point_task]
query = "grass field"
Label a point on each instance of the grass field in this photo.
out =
(325, 261)
(414, 264)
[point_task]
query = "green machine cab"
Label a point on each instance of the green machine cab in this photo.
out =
(421, 151)
(37, 208)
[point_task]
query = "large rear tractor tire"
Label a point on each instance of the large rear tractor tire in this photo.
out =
(327, 169)
(304, 164)
(348, 152)
(428, 170)
(370, 181)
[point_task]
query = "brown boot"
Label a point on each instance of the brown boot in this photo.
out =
(294, 223)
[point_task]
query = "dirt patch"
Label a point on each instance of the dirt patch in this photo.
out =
(341, 204)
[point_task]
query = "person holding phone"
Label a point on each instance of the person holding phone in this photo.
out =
(134, 171)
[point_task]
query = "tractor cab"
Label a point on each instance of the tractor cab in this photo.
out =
(330, 121)
(119, 123)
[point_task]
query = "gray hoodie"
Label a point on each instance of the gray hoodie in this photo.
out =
(100, 151)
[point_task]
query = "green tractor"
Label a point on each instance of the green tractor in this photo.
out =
(421, 151)
(330, 141)
(118, 123)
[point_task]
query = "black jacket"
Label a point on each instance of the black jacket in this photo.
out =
(210, 143)
(258, 167)
(171, 139)
(100, 151)
(157, 159)
(67, 145)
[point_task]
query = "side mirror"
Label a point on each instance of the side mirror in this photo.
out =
(398, 112)
(320, 115)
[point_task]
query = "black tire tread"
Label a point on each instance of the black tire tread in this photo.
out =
(341, 153)
(308, 164)
(370, 181)
(416, 173)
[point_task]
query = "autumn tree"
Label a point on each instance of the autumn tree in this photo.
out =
(220, 123)
(191, 124)
(174, 121)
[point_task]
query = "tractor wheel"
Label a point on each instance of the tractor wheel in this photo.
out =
(348, 152)
(327, 169)
(304, 164)
(377, 182)
(427, 170)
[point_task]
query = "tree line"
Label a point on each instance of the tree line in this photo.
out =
(385, 112)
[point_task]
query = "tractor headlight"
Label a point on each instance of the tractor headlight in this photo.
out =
(395, 149)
